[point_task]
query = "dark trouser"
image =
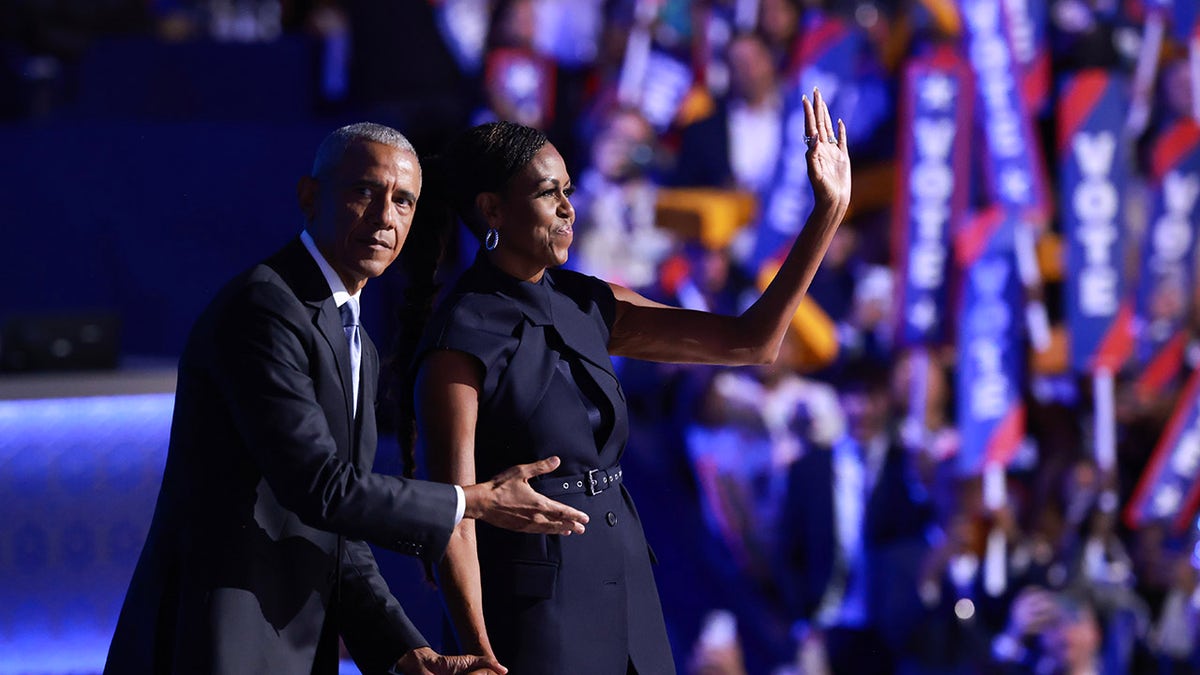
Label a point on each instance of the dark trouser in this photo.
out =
(859, 651)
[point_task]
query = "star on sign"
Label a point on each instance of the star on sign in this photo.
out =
(1166, 500)
(1015, 185)
(923, 314)
(1187, 458)
(937, 91)
(523, 79)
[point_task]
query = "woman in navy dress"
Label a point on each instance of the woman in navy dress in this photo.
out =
(514, 366)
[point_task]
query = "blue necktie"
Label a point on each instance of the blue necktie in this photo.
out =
(349, 311)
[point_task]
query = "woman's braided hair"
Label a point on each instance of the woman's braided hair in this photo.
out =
(481, 159)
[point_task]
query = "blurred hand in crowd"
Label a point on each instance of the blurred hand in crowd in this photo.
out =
(718, 651)
(1033, 611)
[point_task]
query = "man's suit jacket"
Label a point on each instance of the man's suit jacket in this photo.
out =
(893, 539)
(256, 558)
(704, 152)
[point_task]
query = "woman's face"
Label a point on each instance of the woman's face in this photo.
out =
(535, 217)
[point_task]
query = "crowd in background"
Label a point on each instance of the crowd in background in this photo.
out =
(840, 529)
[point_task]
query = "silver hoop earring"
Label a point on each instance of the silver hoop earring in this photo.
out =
(492, 239)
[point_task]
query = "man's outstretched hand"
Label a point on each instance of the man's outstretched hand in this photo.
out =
(508, 501)
(425, 661)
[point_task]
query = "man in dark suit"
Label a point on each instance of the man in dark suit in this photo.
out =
(852, 536)
(256, 560)
(737, 146)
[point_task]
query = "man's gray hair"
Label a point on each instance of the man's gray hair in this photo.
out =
(335, 144)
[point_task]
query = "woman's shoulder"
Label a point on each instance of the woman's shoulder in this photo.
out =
(578, 283)
(586, 291)
(466, 310)
(481, 325)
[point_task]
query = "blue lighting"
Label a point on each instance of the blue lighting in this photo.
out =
(78, 480)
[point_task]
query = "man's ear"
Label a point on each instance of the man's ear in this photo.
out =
(306, 194)
(488, 204)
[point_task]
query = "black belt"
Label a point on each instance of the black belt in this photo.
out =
(591, 483)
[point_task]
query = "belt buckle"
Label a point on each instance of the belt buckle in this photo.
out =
(590, 484)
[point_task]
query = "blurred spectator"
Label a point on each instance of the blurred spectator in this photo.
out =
(779, 23)
(568, 30)
(953, 632)
(1073, 639)
(243, 20)
(1053, 633)
(617, 237)
(858, 297)
(852, 536)
(1105, 569)
(718, 651)
(1176, 87)
(330, 25)
(753, 425)
(1175, 637)
(738, 145)
(1084, 34)
(704, 279)
(519, 82)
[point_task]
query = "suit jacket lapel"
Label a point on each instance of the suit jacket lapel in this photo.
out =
(297, 267)
(328, 321)
(365, 424)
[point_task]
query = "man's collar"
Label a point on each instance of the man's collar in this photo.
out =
(336, 286)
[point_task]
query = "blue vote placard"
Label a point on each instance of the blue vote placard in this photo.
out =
(932, 188)
(1094, 172)
(991, 352)
(1015, 169)
(1164, 286)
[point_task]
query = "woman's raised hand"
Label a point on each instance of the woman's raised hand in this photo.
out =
(828, 160)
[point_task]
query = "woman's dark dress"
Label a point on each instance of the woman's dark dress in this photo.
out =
(577, 605)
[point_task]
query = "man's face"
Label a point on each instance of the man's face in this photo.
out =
(1074, 638)
(866, 412)
(359, 212)
(752, 74)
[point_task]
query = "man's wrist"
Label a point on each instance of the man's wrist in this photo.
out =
(397, 668)
(473, 500)
(460, 508)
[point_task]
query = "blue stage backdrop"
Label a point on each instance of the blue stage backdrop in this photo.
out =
(145, 218)
(78, 480)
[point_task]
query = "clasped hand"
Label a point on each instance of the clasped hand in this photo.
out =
(425, 661)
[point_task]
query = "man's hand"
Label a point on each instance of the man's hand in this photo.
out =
(509, 502)
(425, 661)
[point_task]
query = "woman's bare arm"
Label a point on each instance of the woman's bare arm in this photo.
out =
(447, 391)
(447, 397)
(652, 331)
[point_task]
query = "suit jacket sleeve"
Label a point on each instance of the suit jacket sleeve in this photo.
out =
(791, 556)
(372, 623)
(269, 366)
(704, 153)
